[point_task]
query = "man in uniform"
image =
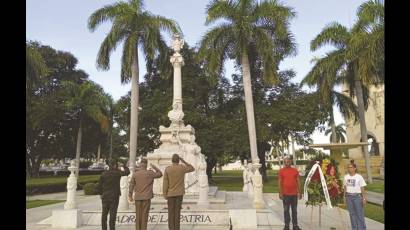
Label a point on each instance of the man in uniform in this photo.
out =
(141, 184)
(174, 189)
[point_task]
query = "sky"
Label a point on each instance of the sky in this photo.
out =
(62, 24)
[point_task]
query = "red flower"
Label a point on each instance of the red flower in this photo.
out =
(333, 192)
(316, 176)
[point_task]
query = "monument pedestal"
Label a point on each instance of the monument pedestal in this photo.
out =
(226, 209)
(67, 218)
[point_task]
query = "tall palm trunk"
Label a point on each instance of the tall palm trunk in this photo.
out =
(363, 129)
(249, 107)
(134, 109)
(293, 150)
(98, 153)
(333, 126)
(110, 157)
(78, 148)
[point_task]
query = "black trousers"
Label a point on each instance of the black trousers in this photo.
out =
(109, 206)
(290, 201)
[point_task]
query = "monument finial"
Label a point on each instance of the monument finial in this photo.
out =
(177, 42)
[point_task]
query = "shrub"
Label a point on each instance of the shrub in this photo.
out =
(89, 189)
(85, 164)
(53, 184)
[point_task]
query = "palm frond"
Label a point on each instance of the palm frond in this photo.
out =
(130, 45)
(107, 13)
(214, 47)
(346, 106)
(217, 9)
(272, 14)
(333, 34)
(114, 37)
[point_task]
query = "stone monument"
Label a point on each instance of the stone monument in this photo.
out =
(70, 216)
(178, 137)
(249, 180)
(203, 184)
(71, 188)
(124, 184)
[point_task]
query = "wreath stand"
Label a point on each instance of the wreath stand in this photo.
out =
(320, 216)
(342, 219)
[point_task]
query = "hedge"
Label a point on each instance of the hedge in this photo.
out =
(89, 189)
(298, 162)
(67, 173)
(38, 186)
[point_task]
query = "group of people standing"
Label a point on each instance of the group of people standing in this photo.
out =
(141, 191)
(355, 196)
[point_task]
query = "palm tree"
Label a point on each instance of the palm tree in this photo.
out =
(325, 75)
(136, 27)
(248, 25)
(86, 100)
(339, 133)
(360, 49)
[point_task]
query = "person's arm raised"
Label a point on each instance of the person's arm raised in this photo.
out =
(158, 172)
(189, 167)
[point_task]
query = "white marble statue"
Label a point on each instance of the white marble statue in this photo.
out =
(246, 180)
(71, 187)
(177, 42)
(123, 202)
(193, 155)
(249, 175)
(203, 183)
(257, 188)
(176, 115)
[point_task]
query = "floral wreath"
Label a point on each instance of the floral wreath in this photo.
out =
(334, 184)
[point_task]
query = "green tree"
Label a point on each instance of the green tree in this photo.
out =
(136, 27)
(263, 26)
(360, 50)
(35, 65)
(325, 75)
(86, 100)
(48, 134)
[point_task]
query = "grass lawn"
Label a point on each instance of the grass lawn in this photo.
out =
(38, 203)
(372, 211)
(233, 181)
(376, 186)
(60, 180)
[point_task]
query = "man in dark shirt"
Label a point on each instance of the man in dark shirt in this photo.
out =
(109, 189)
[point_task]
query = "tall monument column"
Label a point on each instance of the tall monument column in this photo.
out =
(178, 138)
(177, 62)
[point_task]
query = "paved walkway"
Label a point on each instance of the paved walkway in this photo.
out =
(374, 197)
(308, 217)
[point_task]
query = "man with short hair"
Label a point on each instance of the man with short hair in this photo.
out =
(109, 189)
(288, 181)
(141, 184)
(174, 189)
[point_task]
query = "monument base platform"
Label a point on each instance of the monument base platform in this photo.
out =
(223, 212)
